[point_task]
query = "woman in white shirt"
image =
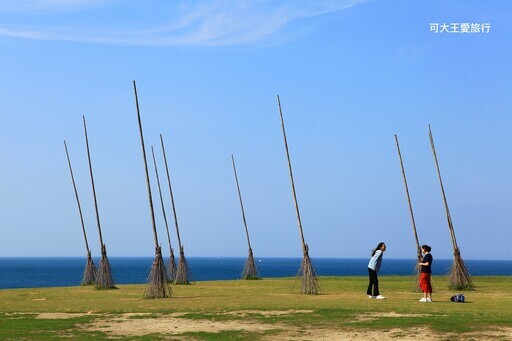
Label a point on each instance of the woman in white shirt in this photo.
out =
(373, 269)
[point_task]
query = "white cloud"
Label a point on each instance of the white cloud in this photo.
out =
(206, 23)
(46, 6)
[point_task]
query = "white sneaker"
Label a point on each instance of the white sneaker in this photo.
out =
(429, 300)
(423, 300)
(380, 297)
(370, 296)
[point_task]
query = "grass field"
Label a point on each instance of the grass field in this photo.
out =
(269, 309)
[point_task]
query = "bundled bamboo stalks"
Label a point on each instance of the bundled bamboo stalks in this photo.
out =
(158, 284)
(158, 281)
(307, 272)
(460, 277)
(183, 270)
(172, 261)
(89, 275)
(250, 269)
(310, 285)
(418, 248)
(104, 278)
(172, 266)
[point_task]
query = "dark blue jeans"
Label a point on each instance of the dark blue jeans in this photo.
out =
(374, 281)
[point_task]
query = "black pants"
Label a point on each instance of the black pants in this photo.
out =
(374, 281)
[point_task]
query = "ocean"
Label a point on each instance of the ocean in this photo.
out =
(28, 272)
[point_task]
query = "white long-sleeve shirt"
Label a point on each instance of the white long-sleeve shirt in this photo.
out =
(376, 261)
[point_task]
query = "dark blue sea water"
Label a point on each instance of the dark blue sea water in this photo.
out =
(49, 272)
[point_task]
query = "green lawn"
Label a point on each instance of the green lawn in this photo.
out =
(254, 310)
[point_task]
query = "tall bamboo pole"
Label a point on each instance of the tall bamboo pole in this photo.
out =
(170, 191)
(157, 286)
(250, 270)
(104, 279)
(92, 183)
(172, 262)
(306, 271)
(89, 275)
(182, 273)
(418, 248)
(241, 203)
(459, 275)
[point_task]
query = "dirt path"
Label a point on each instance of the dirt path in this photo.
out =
(132, 325)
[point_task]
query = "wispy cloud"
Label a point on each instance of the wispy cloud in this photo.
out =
(47, 6)
(204, 23)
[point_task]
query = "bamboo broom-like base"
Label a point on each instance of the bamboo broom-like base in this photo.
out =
(89, 276)
(183, 271)
(250, 270)
(104, 279)
(460, 278)
(158, 284)
(172, 267)
(310, 285)
(417, 272)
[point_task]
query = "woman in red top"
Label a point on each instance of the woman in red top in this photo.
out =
(426, 271)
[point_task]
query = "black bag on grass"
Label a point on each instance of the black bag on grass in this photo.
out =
(459, 298)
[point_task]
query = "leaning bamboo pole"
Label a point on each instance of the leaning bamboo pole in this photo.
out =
(418, 248)
(172, 261)
(310, 285)
(183, 271)
(250, 270)
(104, 278)
(158, 285)
(89, 275)
(460, 277)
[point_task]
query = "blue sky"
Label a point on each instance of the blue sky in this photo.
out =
(350, 75)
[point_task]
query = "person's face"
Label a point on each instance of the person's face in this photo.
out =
(423, 251)
(383, 247)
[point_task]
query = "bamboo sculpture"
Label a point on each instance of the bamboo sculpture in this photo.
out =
(418, 248)
(158, 284)
(250, 270)
(104, 279)
(89, 275)
(172, 261)
(183, 271)
(460, 278)
(310, 285)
